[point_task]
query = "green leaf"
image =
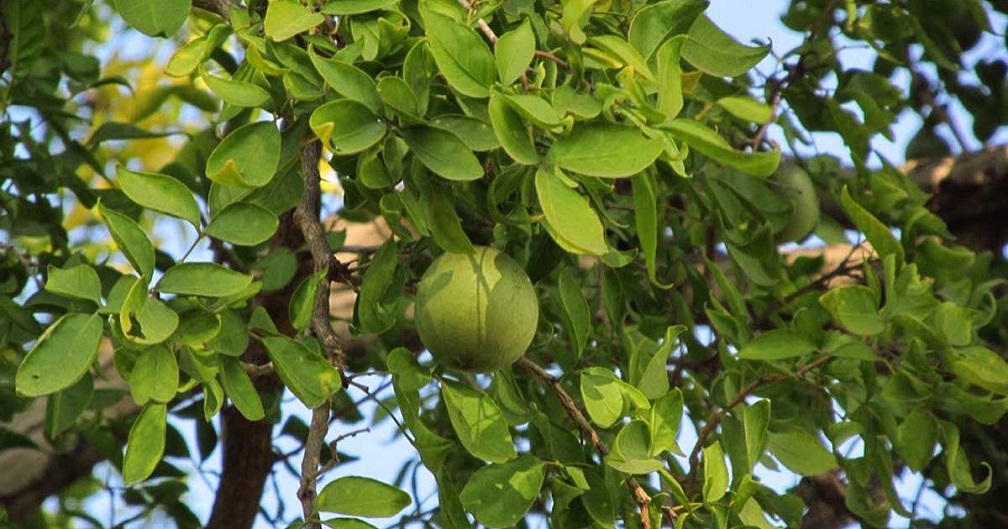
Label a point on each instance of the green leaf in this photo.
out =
(159, 192)
(801, 452)
(356, 7)
(713, 51)
(627, 55)
(461, 54)
(438, 204)
(512, 132)
(131, 240)
(240, 390)
(302, 302)
(203, 279)
(499, 495)
(877, 233)
(155, 321)
(572, 222)
(192, 54)
(854, 307)
(476, 134)
(916, 438)
(233, 337)
(80, 281)
(980, 366)
(746, 108)
(645, 202)
(576, 310)
(711, 144)
(607, 398)
(145, 444)
(396, 94)
(715, 472)
(286, 18)
(373, 313)
(235, 92)
(60, 356)
(360, 496)
(65, 407)
(478, 422)
(347, 523)
(535, 109)
(346, 126)
(665, 416)
(249, 156)
(631, 452)
(756, 420)
(776, 345)
(348, 81)
(670, 89)
(407, 372)
(154, 376)
(305, 373)
(605, 150)
(654, 23)
(513, 52)
(156, 18)
(243, 224)
(443, 153)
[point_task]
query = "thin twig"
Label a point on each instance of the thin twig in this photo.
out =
(714, 419)
(550, 57)
(484, 27)
(257, 370)
(640, 495)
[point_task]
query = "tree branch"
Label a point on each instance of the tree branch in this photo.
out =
(714, 419)
(307, 216)
(640, 495)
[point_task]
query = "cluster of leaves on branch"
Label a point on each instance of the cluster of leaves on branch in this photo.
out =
(616, 149)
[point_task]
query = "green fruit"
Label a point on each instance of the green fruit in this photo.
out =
(477, 312)
(794, 184)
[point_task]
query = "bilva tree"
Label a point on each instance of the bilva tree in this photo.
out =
(593, 186)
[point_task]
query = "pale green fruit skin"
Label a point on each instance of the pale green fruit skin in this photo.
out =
(794, 184)
(476, 313)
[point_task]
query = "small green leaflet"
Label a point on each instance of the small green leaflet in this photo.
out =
(157, 18)
(203, 279)
(461, 54)
(801, 452)
(631, 452)
(145, 444)
(607, 398)
(159, 192)
(499, 495)
(308, 376)
(654, 23)
(240, 390)
(61, 356)
(356, 7)
(514, 51)
(713, 51)
(776, 345)
(512, 132)
(243, 224)
(877, 233)
(715, 483)
(236, 92)
(80, 281)
(572, 222)
(346, 126)
(154, 376)
(711, 144)
(443, 153)
(854, 307)
(348, 80)
(605, 150)
(302, 302)
(479, 423)
(286, 18)
(360, 496)
(249, 156)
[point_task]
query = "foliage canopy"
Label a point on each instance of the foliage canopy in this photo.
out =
(617, 150)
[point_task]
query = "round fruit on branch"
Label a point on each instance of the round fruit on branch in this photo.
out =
(476, 312)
